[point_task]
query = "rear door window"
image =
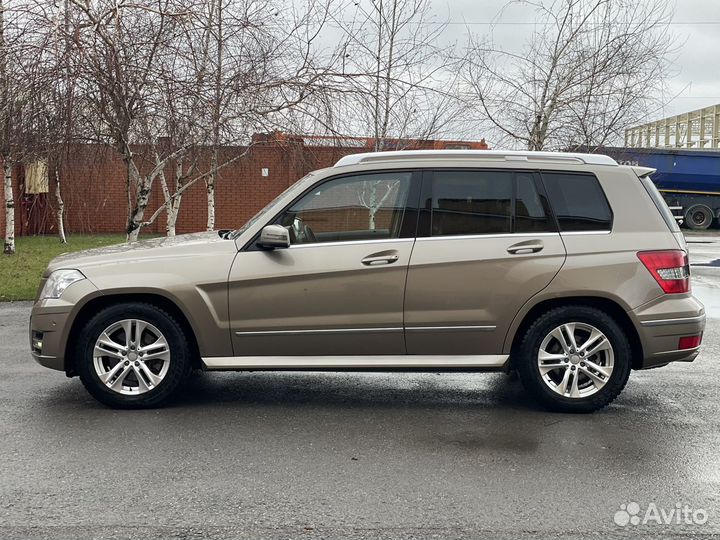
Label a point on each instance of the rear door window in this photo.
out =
(476, 202)
(578, 201)
(532, 214)
(471, 202)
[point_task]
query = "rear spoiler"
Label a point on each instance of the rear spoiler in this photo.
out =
(643, 171)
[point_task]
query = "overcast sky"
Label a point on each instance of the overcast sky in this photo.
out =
(694, 81)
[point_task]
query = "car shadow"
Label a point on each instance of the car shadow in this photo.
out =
(468, 412)
(440, 390)
(355, 389)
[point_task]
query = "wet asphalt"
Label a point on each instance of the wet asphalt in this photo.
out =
(363, 455)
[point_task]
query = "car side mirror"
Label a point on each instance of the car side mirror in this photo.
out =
(274, 236)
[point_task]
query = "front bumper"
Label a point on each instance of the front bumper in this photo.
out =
(662, 322)
(51, 321)
(47, 345)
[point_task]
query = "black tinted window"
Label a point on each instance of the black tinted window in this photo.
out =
(471, 202)
(480, 202)
(578, 201)
(531, 210)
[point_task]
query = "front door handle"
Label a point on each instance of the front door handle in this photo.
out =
(377, 259)
(523, 248)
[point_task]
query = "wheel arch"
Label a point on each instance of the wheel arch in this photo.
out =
(607, 305)
(97, 303)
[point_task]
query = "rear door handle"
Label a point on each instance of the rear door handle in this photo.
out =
(377, 259)
(530, 246)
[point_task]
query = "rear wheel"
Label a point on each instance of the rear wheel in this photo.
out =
(699, 217)
(133, 355)
(574, 359)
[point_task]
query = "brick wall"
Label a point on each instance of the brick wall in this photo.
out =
(96, 201)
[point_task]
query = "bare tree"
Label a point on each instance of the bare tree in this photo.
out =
(590, 68)
(53, 93)
(399, 81)
(161, 81)
(120, 48)
(18, 112)
(6, 133)
(258, 64)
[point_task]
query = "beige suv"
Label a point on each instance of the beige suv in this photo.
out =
(566, 268)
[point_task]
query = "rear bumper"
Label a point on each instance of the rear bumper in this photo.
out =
(662, 322)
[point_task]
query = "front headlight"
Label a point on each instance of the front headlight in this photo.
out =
(58, 281)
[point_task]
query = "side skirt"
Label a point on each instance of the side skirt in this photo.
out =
(417, 362)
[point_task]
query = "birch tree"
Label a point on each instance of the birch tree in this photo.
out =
(53, 94)
(400, 81)
(177, 76)
(397, 81)
(590, 68)
(16, 113)
(258, 64)
(120, 46)
(6, 134)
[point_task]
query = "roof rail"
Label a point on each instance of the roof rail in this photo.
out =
(494, 155)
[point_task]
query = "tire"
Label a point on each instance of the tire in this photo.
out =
(594, 387)
(148, 372)
(699, 217)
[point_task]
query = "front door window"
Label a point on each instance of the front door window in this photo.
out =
(362, 207)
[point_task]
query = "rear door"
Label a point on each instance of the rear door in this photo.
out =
(487, 242)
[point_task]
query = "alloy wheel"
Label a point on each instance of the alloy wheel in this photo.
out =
(131, 357)
(575, 360)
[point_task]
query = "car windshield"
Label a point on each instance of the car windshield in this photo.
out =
(237, 232)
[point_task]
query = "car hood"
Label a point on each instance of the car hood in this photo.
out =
(177, 247)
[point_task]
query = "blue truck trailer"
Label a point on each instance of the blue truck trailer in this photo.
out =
(689, 180)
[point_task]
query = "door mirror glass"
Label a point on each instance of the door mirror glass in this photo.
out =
(274, 236)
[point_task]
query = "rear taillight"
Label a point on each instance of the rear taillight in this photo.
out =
(669, 268)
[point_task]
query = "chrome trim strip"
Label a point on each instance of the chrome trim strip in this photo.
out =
(667, 322)
(583, 233)
(694, 350)
(42, 356)
(449, 328)
(479, 236)
(345, 362)
(383, 329)
(352, 242)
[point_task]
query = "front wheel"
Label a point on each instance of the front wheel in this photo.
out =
(133, 355)
(574, 359)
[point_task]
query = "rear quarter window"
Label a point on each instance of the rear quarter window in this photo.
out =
(578, 201)
(660, 203)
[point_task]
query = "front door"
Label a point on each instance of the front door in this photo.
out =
(339, 288)
(486, 244)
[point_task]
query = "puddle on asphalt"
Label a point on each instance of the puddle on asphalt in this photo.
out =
(710, 297)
